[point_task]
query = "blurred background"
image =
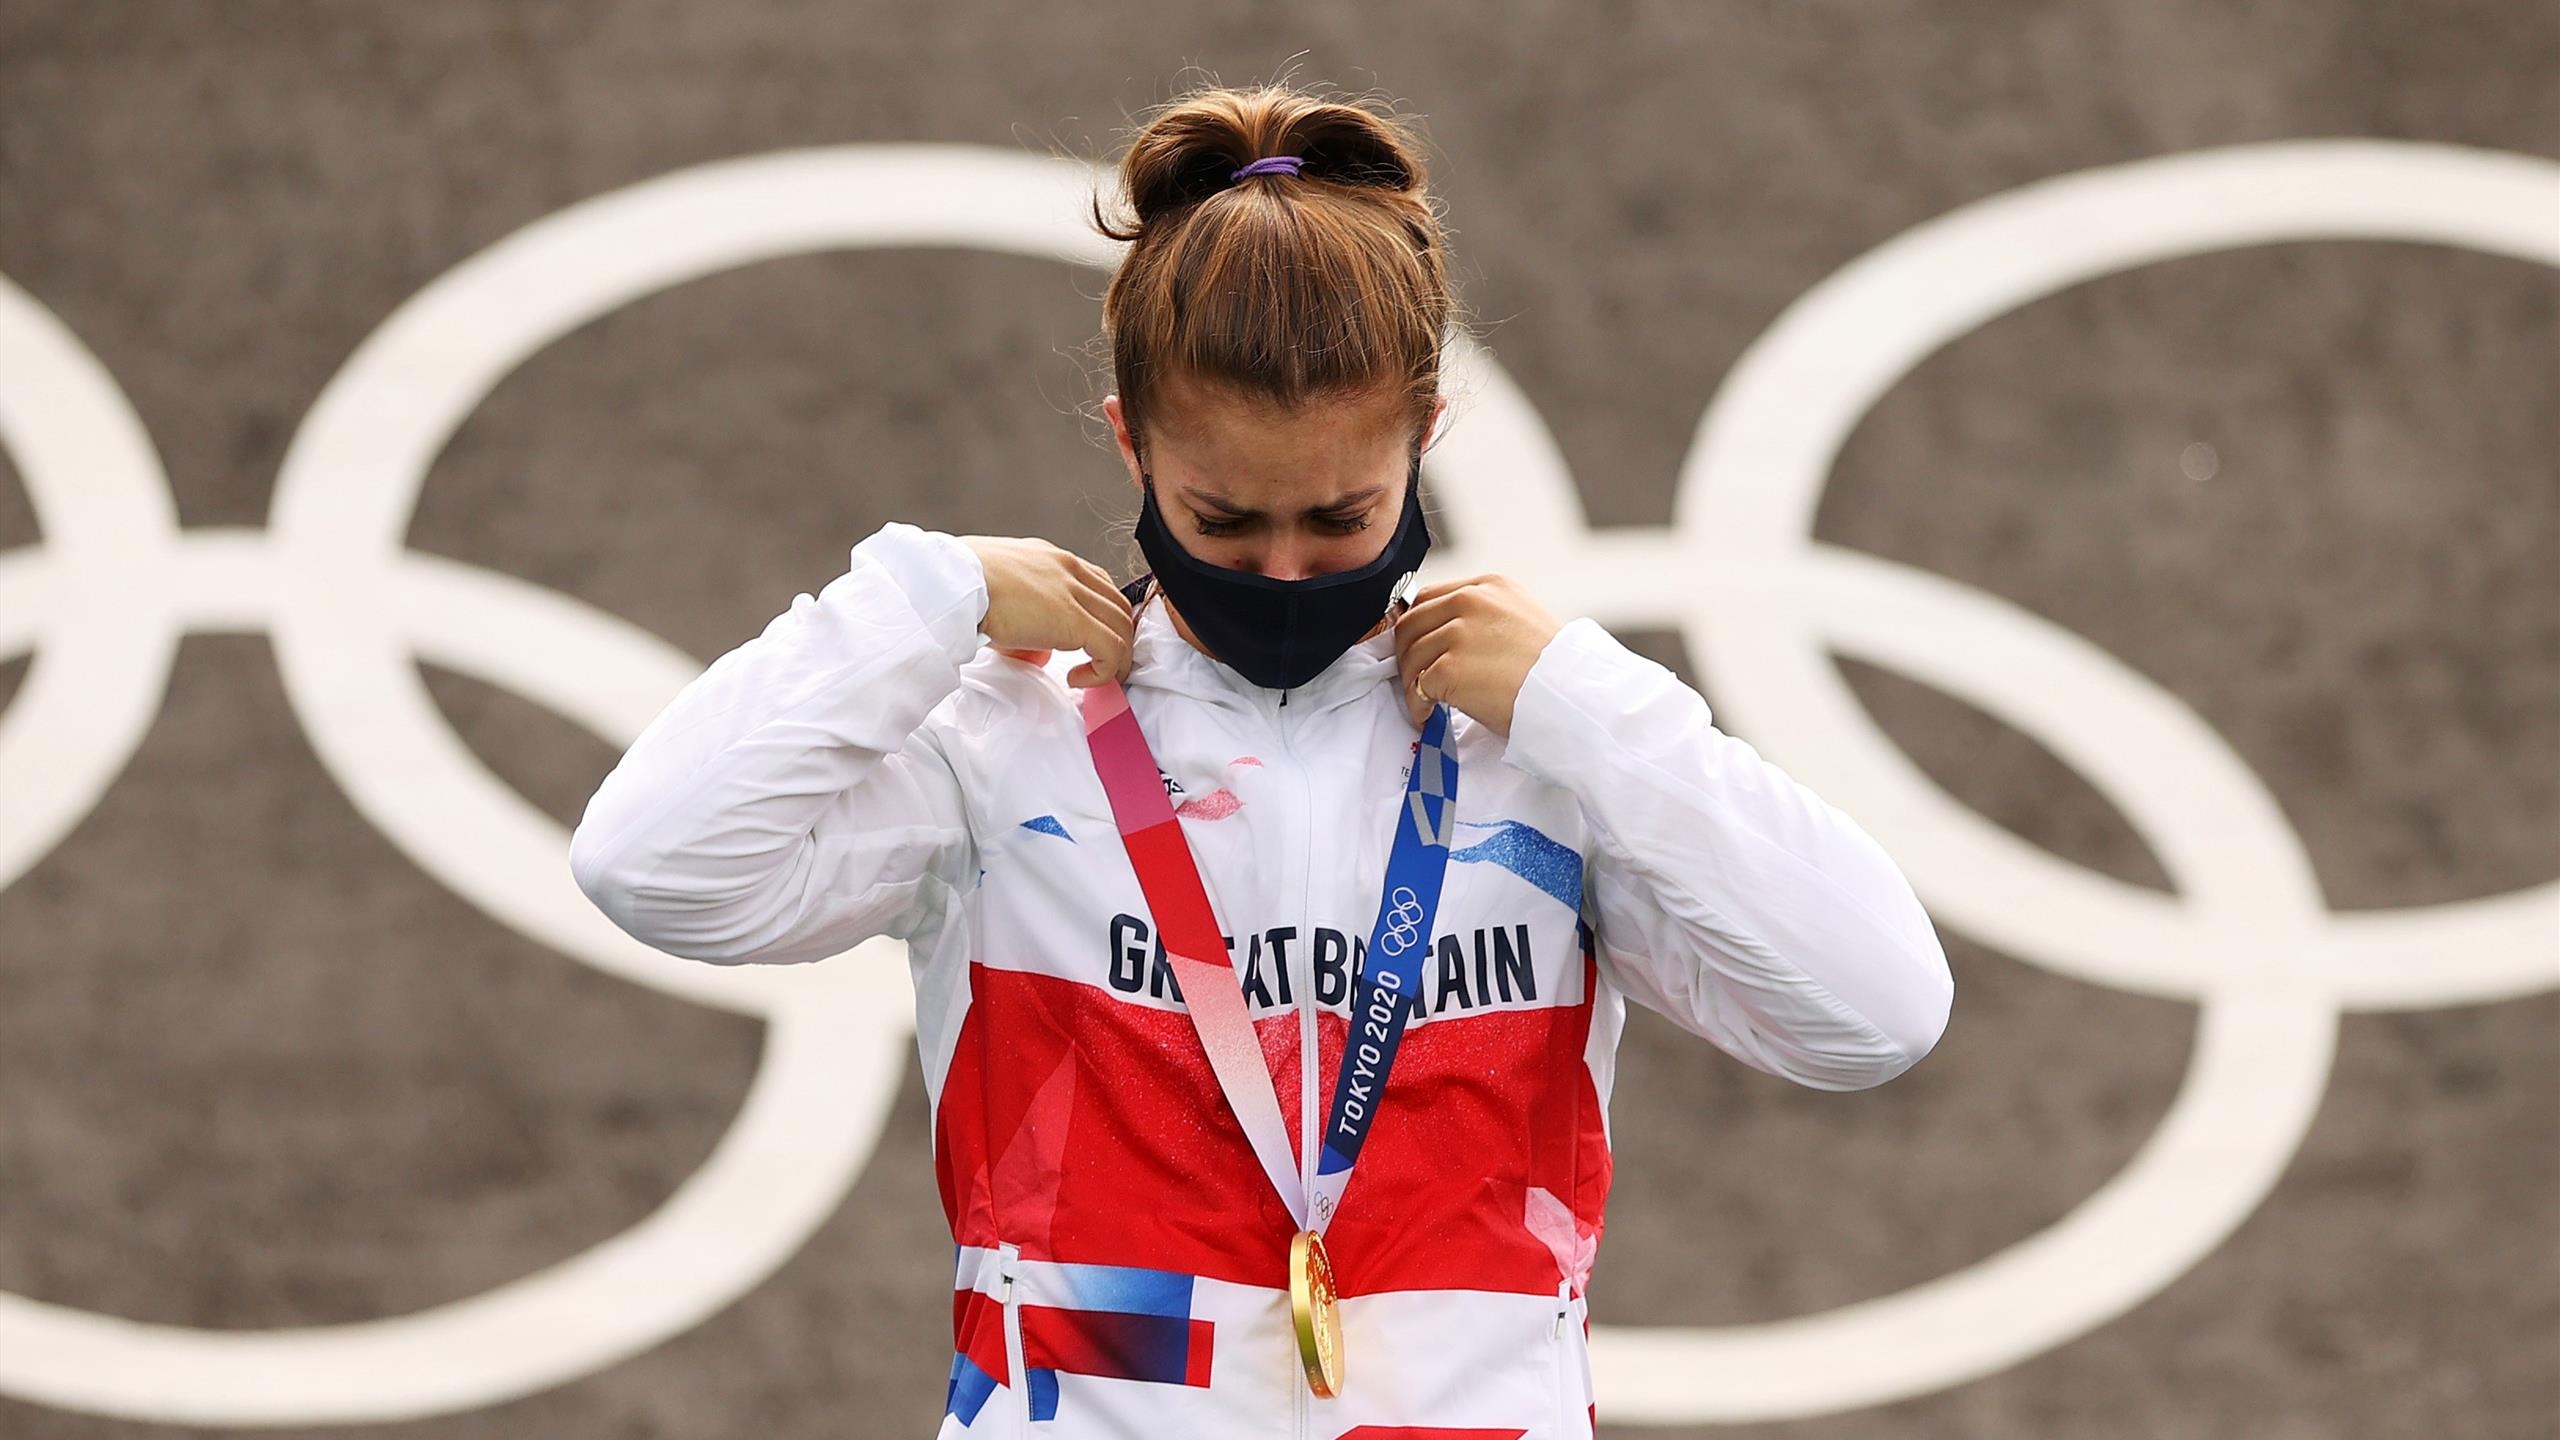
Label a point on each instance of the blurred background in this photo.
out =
(324, 1110)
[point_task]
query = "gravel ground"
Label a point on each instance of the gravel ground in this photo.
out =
(259, 1069)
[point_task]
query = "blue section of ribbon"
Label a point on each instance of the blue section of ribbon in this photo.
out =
(1383, 999)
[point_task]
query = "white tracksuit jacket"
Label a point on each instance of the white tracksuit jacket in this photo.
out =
(867, 765)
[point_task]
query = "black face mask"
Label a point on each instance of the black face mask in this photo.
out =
(1280, 634)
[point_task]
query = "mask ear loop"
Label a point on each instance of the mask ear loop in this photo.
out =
(1400, 599)
(1137, 591)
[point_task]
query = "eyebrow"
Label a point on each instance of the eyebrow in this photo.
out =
(1229, 508)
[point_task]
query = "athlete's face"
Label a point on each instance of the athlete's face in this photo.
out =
(1252, 487)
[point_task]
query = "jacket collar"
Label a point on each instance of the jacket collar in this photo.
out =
(1160, 658)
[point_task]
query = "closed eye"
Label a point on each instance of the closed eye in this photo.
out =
(1336, 524)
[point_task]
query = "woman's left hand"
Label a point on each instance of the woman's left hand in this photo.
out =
(1471, 642)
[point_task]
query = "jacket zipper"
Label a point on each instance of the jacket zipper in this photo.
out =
(1306, 996)
(1565, 1418)
(1021, 1376)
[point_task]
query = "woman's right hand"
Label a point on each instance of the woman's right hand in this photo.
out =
(1041, 598)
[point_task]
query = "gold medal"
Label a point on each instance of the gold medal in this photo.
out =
(1319, 1320)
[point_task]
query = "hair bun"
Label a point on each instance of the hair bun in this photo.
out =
(1283, 287)
(1350, 146)
(1190, 149)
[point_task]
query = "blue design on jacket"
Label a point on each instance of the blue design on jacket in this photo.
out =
(1527, 852)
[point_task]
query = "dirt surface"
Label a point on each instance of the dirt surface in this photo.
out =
(259, 1069)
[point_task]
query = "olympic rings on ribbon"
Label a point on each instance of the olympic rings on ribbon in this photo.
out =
(1404, 922)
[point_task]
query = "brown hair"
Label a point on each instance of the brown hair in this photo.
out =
(1279, 288)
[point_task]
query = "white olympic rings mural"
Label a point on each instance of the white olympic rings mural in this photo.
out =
(104, 599)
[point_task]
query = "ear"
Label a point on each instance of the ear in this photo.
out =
(1431, 427)
(1121, 436)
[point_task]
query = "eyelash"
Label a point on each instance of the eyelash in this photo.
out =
(1346, 525)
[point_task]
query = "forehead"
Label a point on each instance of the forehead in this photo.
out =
(1233, 442)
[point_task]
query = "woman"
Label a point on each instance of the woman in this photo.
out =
(1422, 858)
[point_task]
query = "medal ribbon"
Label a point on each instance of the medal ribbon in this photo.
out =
(1205, 971)
(1202, 969)
(1390, 984)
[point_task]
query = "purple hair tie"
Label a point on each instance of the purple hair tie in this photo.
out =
(1271, 165)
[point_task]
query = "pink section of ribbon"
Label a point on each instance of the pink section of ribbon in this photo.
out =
(1129, 776)
(1189, 929)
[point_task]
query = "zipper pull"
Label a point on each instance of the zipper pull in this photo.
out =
(1564, 1307)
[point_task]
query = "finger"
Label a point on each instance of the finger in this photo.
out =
(1102, 660)
(1414, 658)
(1120, 615)
(1414, 669)
(1405, 641)
(1111, 610)
(1443, 587)
(1093, 578)
(1109, 636)
(1106, 649)
(1421, 693)
(1428, 615)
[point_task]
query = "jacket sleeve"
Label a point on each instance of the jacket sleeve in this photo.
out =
(790, 802)
(1724, 894)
